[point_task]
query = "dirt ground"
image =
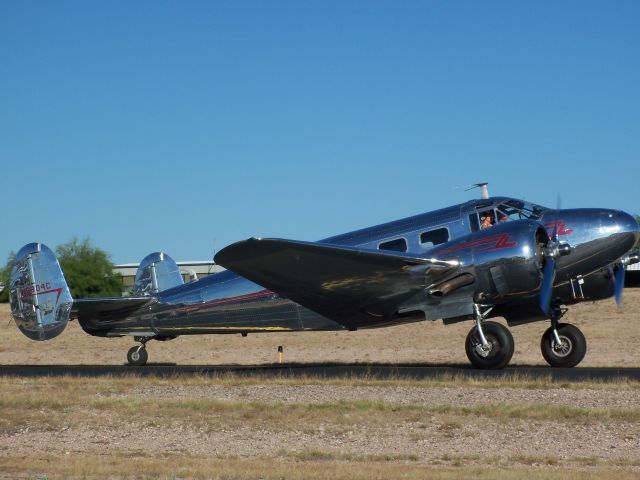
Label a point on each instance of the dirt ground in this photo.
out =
(125, 427)
(203, 427)
(613, 338)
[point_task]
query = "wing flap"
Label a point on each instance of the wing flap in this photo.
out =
(345, 284)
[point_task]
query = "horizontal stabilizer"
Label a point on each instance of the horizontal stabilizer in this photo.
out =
(106, 308)
(345, 284)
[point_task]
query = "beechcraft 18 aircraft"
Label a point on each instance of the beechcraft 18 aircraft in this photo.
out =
(490, 257)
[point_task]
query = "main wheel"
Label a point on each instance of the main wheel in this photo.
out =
(137, 356)
(500, 348)
(569, 352)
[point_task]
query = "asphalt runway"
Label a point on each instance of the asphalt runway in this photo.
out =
(379, 371)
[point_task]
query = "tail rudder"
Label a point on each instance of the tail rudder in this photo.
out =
(40, 298)
(157, 272)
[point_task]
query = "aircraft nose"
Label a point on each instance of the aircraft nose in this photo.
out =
(625, 222)
(626, 226)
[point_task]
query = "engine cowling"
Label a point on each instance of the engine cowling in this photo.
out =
(505, 260)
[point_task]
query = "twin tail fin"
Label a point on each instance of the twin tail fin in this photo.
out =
(40, 298)
(41, 303)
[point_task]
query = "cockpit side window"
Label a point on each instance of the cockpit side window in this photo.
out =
(473, 222)
(483, 219)
(487, 219)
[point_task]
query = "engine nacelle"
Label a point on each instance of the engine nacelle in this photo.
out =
(505, 260)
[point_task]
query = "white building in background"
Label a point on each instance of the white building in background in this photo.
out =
(190, 271)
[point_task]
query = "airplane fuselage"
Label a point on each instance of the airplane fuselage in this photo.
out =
(228, 303)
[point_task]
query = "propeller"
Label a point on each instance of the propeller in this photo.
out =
(618, 282)
(553, 250)
(618, 278)
(548, 276)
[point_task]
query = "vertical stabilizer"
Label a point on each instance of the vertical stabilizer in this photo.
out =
(157, 272)
(40, 298)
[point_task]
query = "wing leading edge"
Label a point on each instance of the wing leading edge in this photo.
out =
(346, 284)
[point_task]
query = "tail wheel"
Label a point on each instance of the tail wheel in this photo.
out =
(500, 349)
(571, 349)
(137, 356)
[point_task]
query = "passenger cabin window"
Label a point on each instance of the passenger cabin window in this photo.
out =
(397, 245)
(434, 237)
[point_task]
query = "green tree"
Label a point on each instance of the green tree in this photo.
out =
(5, 273)
(88, 270)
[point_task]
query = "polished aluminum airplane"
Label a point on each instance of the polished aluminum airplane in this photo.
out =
(490, 257)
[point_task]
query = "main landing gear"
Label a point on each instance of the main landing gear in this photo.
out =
(489, 345)
(137, 356)
(563, 344)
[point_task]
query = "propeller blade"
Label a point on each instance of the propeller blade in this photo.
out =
(548, 276)
(618, 282)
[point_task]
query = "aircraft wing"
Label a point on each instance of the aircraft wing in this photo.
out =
(345, 284)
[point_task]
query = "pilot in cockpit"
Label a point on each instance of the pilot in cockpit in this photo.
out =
(486, 219)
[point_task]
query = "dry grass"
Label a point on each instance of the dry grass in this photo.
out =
(296, 467)
(55, 402)
(20, 411)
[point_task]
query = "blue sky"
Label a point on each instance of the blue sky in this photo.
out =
(185, 126)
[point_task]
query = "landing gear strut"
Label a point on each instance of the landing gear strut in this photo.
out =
(563, 344)
(489, 345)
(137, 356)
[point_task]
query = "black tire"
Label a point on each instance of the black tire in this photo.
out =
(137, 356)
(572, 351)
(501, 351)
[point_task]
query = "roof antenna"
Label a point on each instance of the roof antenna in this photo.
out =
(213, 259)
(484, 189)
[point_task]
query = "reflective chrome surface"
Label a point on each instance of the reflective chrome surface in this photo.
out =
(156, 272)
(501, 265)
(598, 237)
(40, 300)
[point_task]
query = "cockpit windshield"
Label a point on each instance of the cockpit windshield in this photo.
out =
(519, 209)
